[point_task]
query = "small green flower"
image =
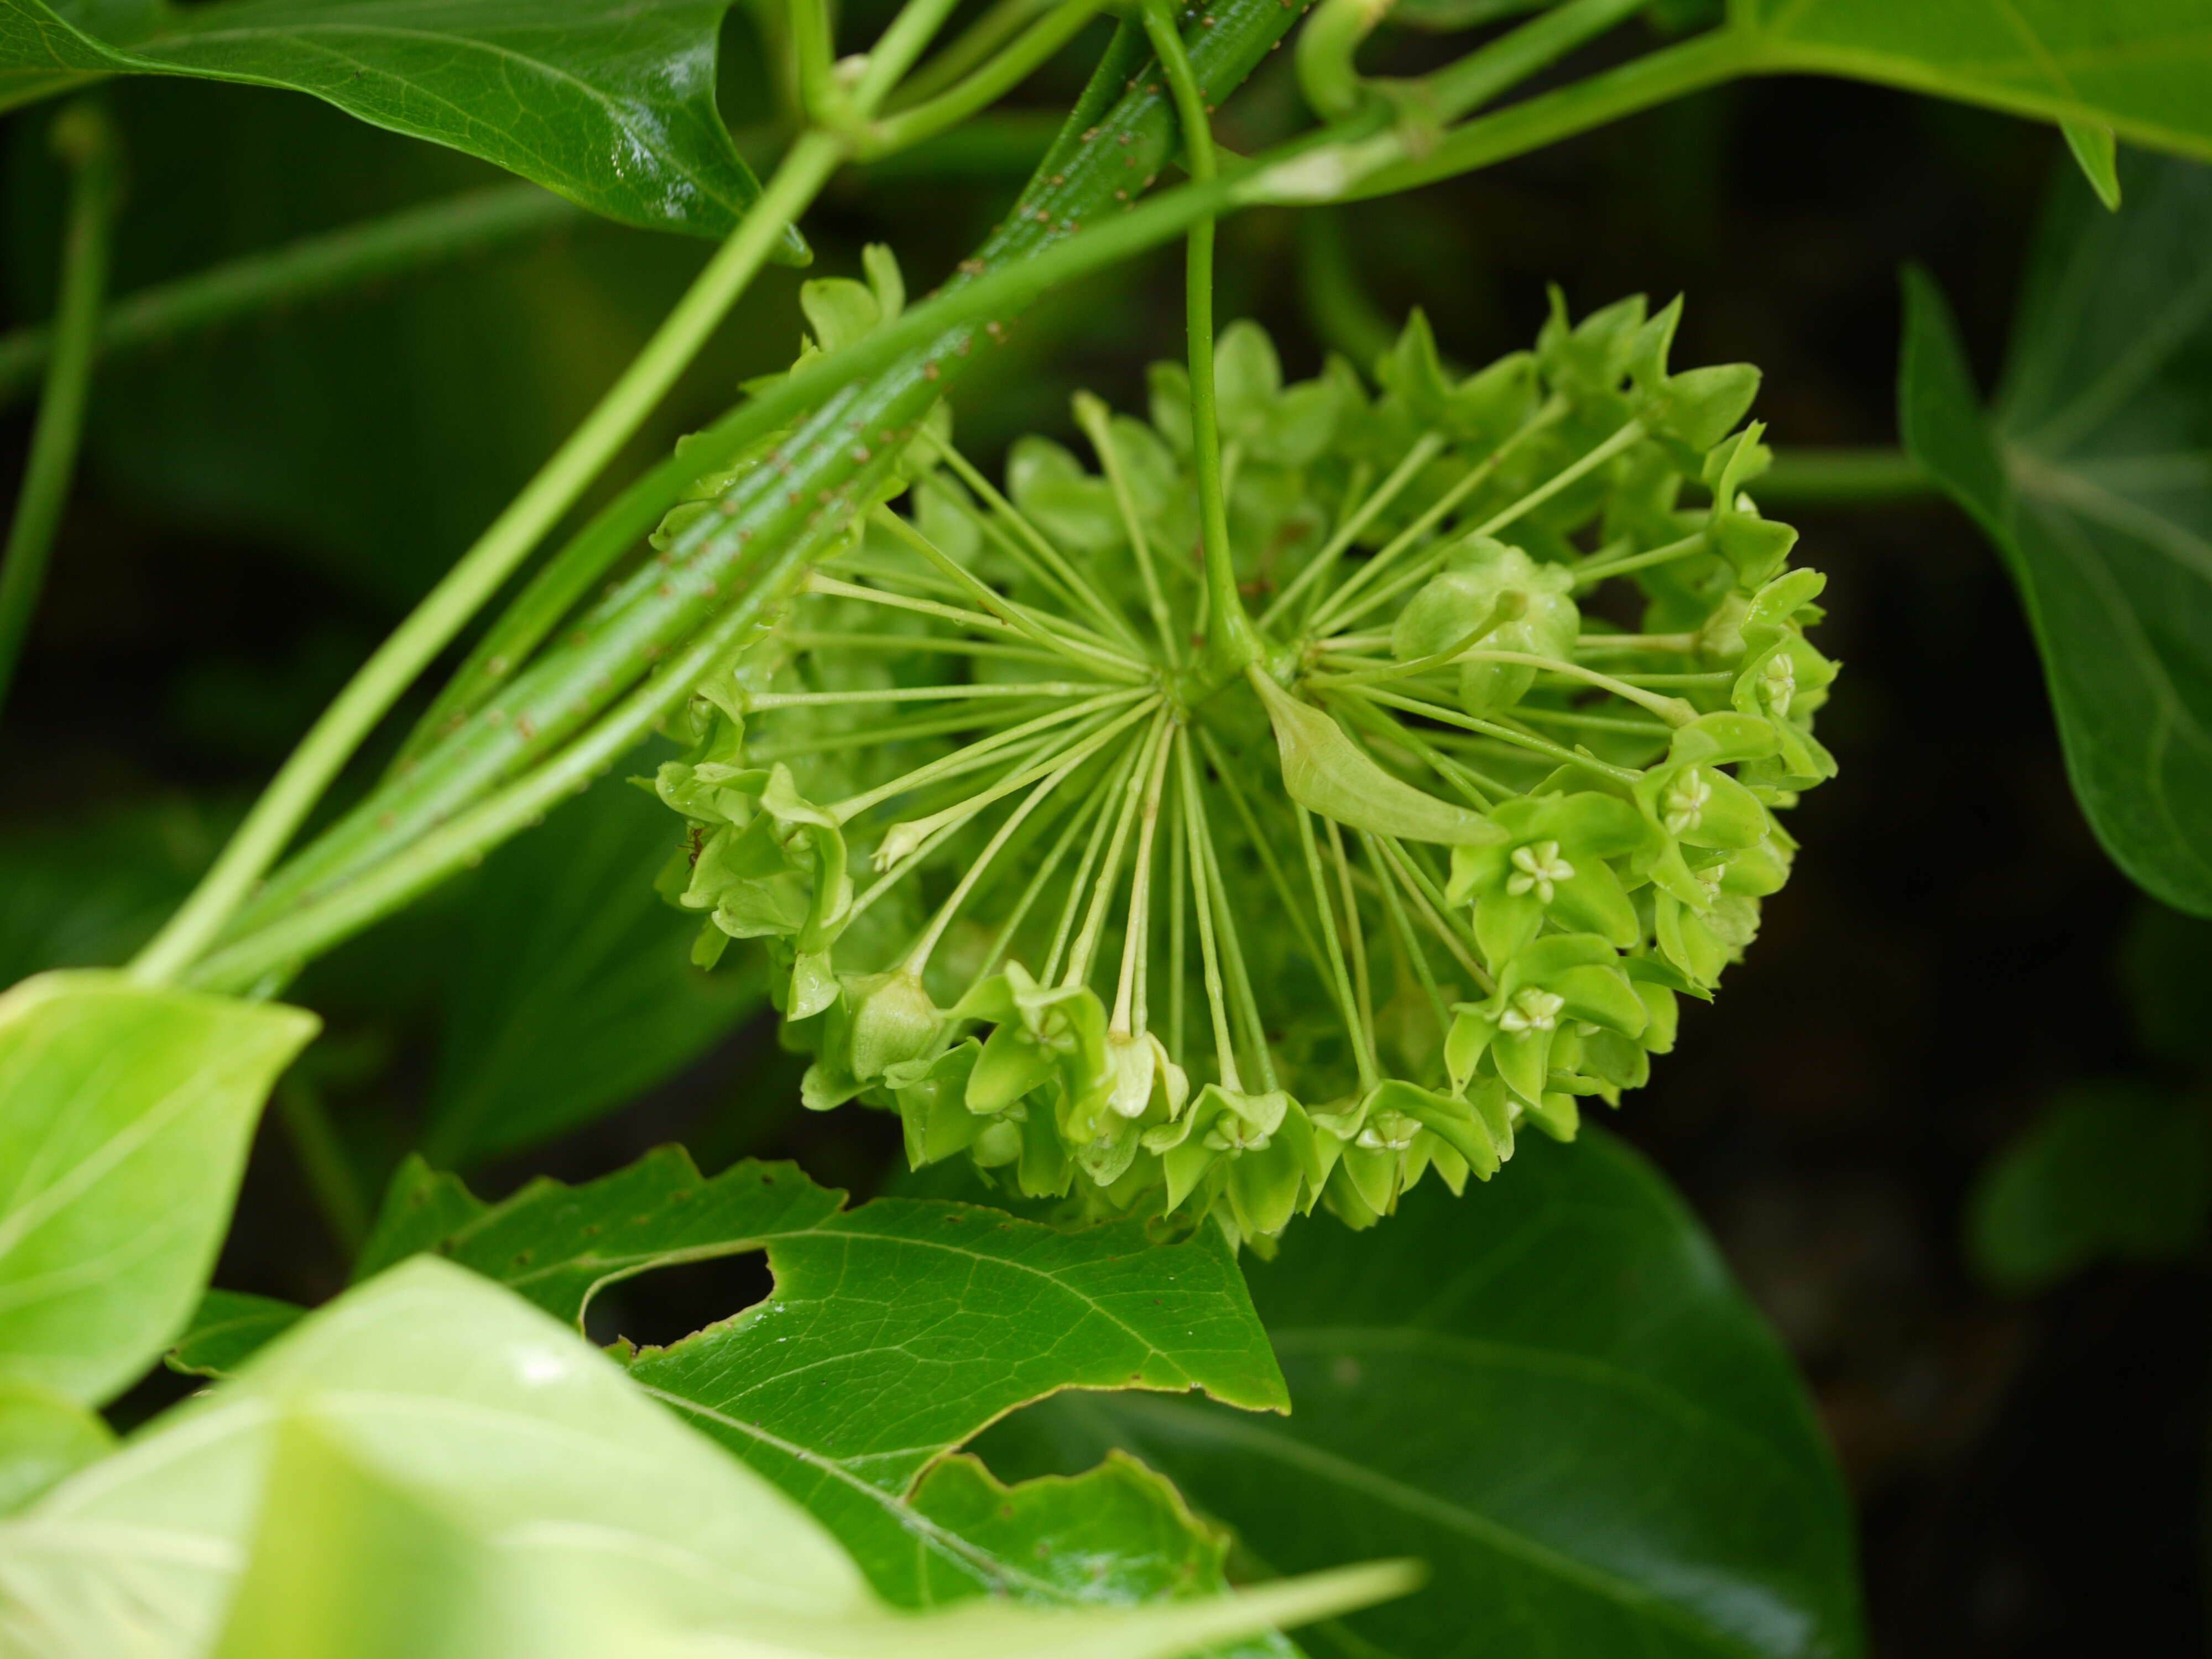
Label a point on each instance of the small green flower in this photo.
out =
(1554, 864)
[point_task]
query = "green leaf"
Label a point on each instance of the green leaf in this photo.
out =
(609, 102)
(2165, 965)
(2112, 1172)
(227, 1327)
(2093, 484)
(429, 1389)
(2098, 156)
(894, 1333)
(1119, 1536)
(2143, 68)
(44, 1436)
(570, 988)
(124, 1117)
(1556, 1396)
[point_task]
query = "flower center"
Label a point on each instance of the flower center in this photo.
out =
(1538, 866)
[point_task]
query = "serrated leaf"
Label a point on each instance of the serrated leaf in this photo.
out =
(124, 1117)
(229, 1327)
(1556, 1396)
(570, 988)
(2112, 1172)
(2144, 69)
(609, 102)
(429, 1389)
(2093, 484)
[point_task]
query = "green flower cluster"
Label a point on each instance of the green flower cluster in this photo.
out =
(1133, 923)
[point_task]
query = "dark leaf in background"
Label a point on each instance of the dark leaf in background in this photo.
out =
(88, 893)
(1552, 1392)
(2095, 484)
(2112, 1172)
(2166, 963)
(227, 1327)
(569, 983)
(609, 102)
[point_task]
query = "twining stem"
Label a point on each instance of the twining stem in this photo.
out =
(415, 239)
(84, 138)
(331, 741)
(993, 80)
(981, 40)
(1844, 477)
(1499, 65)
(1233, 641)
(381, 889)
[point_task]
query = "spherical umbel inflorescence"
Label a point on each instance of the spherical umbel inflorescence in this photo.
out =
(1155, 934)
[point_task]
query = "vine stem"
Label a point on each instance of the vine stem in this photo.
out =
(415, 239)
(84, 138)
(333, 738)
(1233, 641)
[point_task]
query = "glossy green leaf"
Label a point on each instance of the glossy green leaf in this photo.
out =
(2093, 484)
(609, 102)
(124, 1117)
(44, 1437)
(227, 1329)
(1556, 1396)
(570, 988)
(431, 1389)
(2114, 1172)
(2143, 68)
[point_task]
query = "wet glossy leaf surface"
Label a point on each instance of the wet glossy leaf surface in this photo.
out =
(609, 102)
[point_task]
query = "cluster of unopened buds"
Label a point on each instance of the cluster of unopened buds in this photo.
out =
(1135, 923)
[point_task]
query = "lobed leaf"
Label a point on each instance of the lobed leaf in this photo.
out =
(1556, 1396)
(429, 1455)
